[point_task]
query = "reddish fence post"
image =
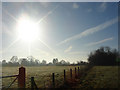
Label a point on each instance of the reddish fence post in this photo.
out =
(21, 77)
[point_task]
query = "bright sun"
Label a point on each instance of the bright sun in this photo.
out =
(27, 30)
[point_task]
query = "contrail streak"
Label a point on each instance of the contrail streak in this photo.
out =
(50, 12)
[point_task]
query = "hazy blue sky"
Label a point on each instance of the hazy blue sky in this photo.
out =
(69, 30)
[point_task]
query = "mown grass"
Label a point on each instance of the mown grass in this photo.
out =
(42, 75)
(100, 77)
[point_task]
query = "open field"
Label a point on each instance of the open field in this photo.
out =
(42, 74)
(97, 77)
(101, 77)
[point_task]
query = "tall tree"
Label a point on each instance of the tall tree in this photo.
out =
(4, 62)
(55, 61)
(44, 62)
(24, 62)
(14, 59)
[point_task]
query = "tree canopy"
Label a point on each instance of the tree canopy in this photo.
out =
(103, 56)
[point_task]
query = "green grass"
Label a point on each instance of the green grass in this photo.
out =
(97, 77)
(42, 75)
(100, 77)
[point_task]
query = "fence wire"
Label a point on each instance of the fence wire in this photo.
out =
(7, 87)
(45, 81)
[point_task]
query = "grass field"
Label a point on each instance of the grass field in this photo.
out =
(100, 77)
(97, 77)
(42, 75)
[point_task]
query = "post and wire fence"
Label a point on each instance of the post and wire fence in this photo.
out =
(20, 77)
(55, 80)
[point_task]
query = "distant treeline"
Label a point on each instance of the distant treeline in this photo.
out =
(31, 61)
(101, 56)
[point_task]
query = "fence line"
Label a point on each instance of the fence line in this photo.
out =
(54, 76)
(22, 74)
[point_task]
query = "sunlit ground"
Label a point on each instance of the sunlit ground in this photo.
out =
(42, 74)
(97, 77)
(101, 77)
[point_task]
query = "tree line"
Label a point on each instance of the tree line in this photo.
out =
(101, 56)
(31, 61)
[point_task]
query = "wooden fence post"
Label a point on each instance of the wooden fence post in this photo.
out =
(32, 83)
(78, 71)
(75, 72)
(21, 77)
(53, 79)
(64, 76)
(71, 73)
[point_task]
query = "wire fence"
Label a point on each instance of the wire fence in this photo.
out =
(11, 83)
(56, 80)
(20, 77)
(52, 80)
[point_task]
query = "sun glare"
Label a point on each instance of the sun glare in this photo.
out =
(27, 30)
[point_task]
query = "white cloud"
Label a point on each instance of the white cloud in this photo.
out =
(91, 30)
(99, 42)
(68, 49)
(75, 5)
(102, 7)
